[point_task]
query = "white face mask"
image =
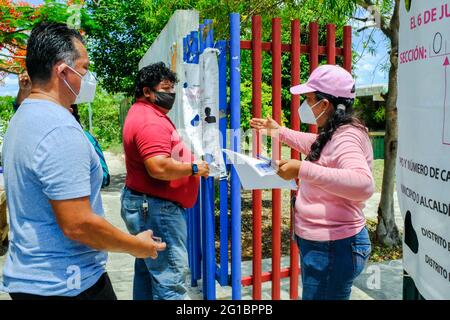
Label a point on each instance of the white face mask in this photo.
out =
(307, 115)
(87, 88)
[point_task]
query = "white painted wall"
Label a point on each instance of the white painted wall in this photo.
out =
(168, 44)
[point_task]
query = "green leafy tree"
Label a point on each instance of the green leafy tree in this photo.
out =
(16, 22)
(105, 117)
(381, 15)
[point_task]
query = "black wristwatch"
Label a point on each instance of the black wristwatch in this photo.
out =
(194, 169)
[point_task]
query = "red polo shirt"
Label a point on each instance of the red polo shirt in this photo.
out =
(148, 133)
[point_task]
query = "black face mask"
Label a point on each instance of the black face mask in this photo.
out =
(164, 99)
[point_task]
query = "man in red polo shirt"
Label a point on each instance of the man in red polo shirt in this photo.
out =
(162, 181)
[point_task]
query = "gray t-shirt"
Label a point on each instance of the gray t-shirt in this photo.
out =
(47, 157)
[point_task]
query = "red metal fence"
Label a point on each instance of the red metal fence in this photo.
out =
(296, 49)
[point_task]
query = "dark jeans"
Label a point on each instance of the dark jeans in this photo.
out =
(328, 268)
(101, 290)
(162, 278)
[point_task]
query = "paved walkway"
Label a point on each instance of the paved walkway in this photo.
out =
(380, 281)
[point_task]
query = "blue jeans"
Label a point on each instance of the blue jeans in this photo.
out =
(164, 277)
(328, 268)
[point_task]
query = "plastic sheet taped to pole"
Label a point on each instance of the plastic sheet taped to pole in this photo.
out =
(192, 126)
(209, 102)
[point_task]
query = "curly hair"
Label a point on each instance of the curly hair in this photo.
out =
(343, 115)
(151, 75)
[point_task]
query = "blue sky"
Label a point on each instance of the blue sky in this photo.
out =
(367, 69)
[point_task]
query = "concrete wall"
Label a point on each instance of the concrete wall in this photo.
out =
(168, 47)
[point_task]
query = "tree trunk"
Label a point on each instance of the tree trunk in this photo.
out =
(387, 231)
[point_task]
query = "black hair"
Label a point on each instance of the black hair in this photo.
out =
(75, 113)
(50, 43)
(151, 75)
(343, 115)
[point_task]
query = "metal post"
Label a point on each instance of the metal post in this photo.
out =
(313, 55)
(235, 95)
(348, 48)
(208, 207)
(295, 125)
(276, 152)
(257, 194)
(331, 44)
(223, 184)
(90, 118)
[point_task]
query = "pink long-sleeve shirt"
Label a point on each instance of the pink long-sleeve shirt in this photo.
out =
(333, 189)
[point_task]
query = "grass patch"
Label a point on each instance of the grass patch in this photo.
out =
(377, 171)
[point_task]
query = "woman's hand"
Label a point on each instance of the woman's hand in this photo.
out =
(267, 126)
(288, 170)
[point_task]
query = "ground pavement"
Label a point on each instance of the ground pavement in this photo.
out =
(378, 281)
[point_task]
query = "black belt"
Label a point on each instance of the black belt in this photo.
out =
(140, 194)
(137, 193)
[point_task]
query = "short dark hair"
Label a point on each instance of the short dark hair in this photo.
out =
(50, 43)
(151, 75)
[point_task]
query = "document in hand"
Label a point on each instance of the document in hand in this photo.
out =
(257, 174)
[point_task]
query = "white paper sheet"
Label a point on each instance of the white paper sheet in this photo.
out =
(257, 174)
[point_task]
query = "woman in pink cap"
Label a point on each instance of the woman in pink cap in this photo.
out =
(335, 181)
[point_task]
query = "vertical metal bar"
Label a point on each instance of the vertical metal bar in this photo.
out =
(209, 43)
(185, 49)
(223, 184)
(196, 243)
(313, 46)
(235, 95)
(348, 48)
(203, 209)
(193, 213)
(194, 46)
(197, 238)
(90, 118)
(295, 125)
(276, 152)
(209, 257)
(257, 194)
(313, 55)
(201, 38)
(331, 43)
(208, 205)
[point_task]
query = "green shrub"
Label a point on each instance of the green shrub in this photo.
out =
(105, 118)
(6, 112)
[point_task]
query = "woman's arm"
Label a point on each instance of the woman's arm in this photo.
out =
(299, 141)
(352, 179)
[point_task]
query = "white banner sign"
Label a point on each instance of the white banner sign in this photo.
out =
(423, 163)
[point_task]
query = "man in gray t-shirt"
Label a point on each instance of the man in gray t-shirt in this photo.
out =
(58, 238)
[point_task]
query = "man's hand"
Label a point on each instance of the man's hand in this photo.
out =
(266, 126)
(25, 82)
(203, 169)
(150, 247)
(289, 170)
(24, 88)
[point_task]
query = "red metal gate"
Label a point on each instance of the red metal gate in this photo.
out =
(296, 49)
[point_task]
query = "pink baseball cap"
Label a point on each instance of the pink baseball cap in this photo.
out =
(330, 79)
